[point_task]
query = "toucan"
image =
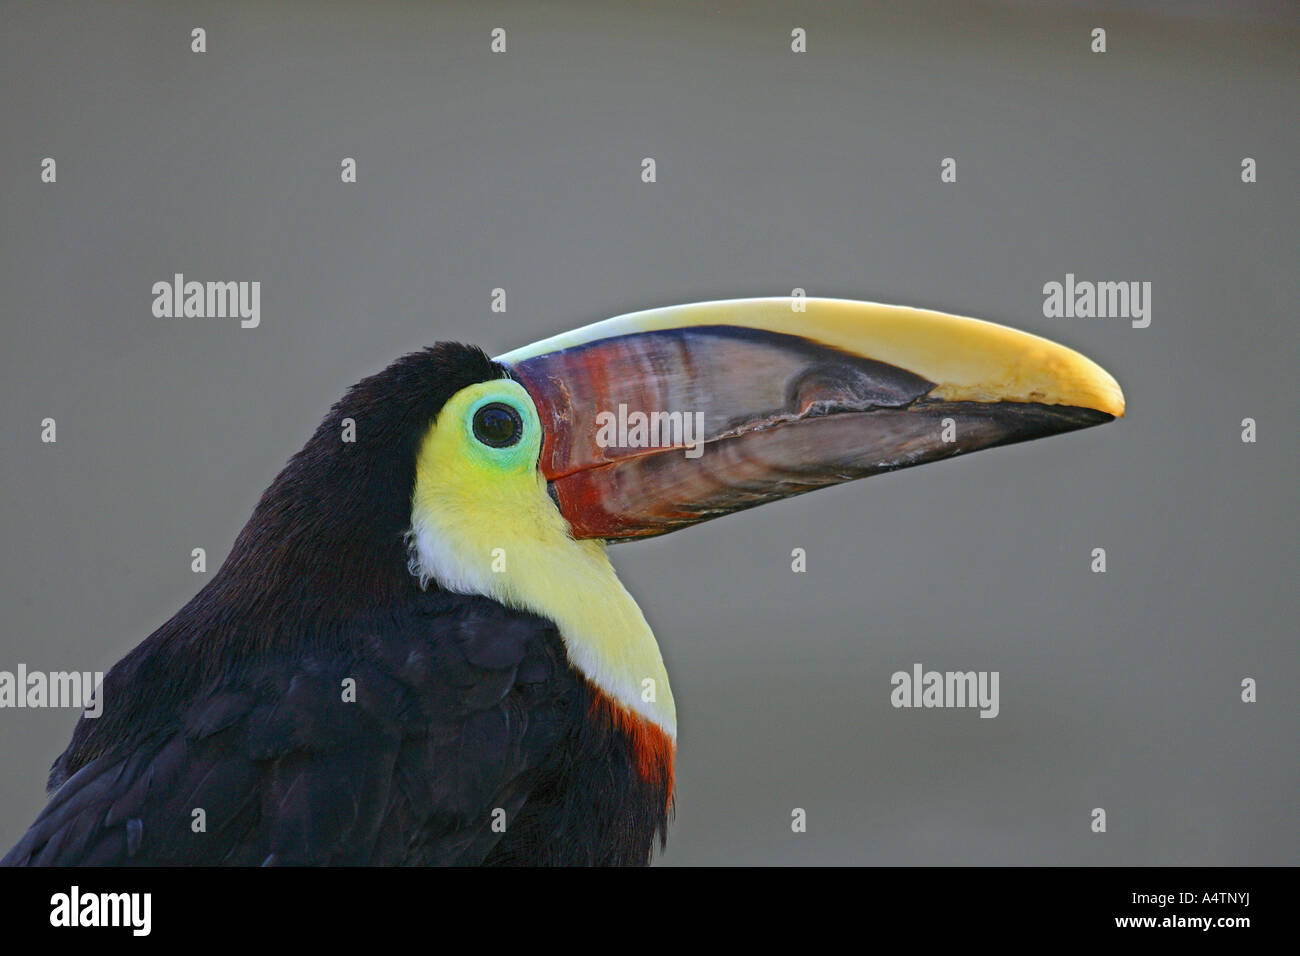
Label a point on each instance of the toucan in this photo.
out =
(418, 652)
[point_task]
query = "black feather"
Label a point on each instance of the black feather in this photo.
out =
(226, 736)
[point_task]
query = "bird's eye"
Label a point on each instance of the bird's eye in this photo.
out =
(498, 425)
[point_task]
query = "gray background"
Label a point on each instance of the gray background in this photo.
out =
(775, 170)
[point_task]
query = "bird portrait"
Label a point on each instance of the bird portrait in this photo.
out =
(418, 651)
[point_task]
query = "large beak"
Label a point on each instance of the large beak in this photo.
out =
(662, 419)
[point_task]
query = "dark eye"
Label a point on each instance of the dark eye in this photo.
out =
(498, 425)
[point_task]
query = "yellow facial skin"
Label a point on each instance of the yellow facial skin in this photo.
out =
(483, 523)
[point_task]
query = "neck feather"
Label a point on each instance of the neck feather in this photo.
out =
(535, 565)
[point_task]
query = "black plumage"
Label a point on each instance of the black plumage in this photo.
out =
(237, 705)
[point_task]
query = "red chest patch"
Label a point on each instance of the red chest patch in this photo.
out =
(653, 748)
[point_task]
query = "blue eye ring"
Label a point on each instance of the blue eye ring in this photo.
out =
(498, 425)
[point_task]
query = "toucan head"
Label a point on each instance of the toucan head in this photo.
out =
(507, 477)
